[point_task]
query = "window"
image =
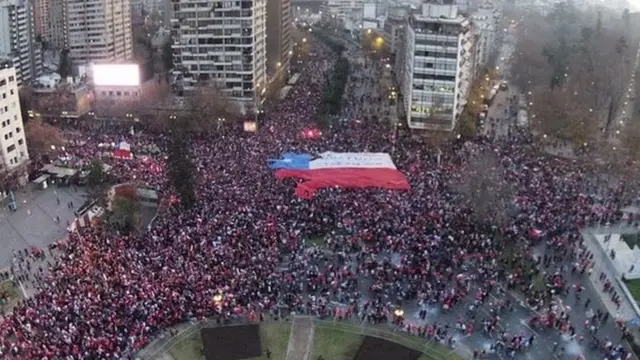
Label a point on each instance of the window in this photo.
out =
(11, 92)
(4, 123)
(17, 130)
(118, 93)
(21, 154)
(11, 78)
(10, 148)
(20, 142)
(8, 121)
(4, 95)
(10, 134)
(11, 161)
(3, 82)
(15, 159)
(6, 136)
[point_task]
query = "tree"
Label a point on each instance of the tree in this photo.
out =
(559, 114)
(207, 111)
(631, 140)
(602, 71)
(484, 190)
(41, 137)
(64, 67)
(180, 168)
(467, 123)
(167, 55)
(125, 215)
(334, 90)
(97, 177)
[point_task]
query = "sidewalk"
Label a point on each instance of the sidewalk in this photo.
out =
(301, 339)
(603, 264)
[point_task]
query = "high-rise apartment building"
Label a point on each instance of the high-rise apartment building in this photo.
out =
(485, 24)
(222, 44)
(279, 47)
(18, 39)
(99, 31)
(58, 35)
(439, 67)
(340, 10)
(13, 146)
(41, 11)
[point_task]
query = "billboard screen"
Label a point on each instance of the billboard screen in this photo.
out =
(250, 126)
(116, 74)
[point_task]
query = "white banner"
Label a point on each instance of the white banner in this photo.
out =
(330, 160)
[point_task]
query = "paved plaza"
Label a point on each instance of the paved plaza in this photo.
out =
(34, 223)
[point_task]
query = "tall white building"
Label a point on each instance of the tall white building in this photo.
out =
(341, 10)
(485, 25)
(18, 39)
(438, 67)
(99, 31)
(13, 146)
(279, 44)
(223, 44)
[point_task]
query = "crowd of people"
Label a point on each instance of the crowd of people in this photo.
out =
(241, 248)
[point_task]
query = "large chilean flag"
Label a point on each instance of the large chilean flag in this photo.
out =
(333, 169)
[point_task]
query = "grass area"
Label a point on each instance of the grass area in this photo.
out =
(189, 348)
(347, 337)
(630, 239)
(9, 295)
(335, 345)
(634, 288)
(274, 335)
(332, 341)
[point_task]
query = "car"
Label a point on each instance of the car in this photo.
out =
(504, 86)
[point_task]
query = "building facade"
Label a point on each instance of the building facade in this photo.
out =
(18, 39)
(222, 44)
(336, 11)
(438, 67)
(485, 25)
(13, 145)
(58, 34)
(99, 31)
(279, 44)
(41, 11)
(53, 98)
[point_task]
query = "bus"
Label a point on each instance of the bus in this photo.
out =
(523, 112)
(294, 79)
(492, 95)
